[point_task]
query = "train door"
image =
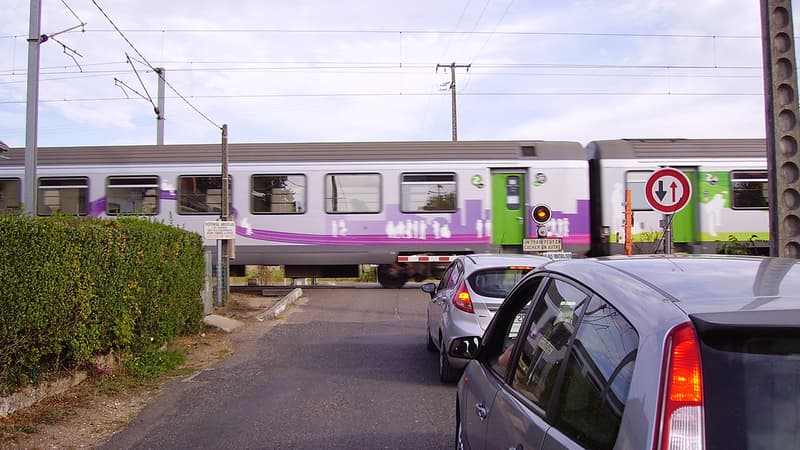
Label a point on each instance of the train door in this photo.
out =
(684, 222)
(508, 207)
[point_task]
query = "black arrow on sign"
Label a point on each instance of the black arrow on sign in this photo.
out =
(661, 192)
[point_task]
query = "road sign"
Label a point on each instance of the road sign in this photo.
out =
(668, 190)
(218, 229)
(541, 245)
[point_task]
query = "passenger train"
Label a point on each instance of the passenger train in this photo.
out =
(323, 209)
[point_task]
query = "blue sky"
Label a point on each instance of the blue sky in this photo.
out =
(317, 71)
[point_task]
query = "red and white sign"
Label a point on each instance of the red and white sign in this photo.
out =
(426, 258)
(668, 190)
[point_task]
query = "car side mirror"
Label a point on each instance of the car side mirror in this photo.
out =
(465, 347)
(430, 288)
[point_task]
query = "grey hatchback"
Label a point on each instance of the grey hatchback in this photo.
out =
(464, 301)
(649, 352)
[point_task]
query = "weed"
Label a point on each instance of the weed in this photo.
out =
(734, 246)
(151, 364)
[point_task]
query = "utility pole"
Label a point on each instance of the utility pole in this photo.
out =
(160, 111)
(453, 66)
(223, 245)
(32, 107)
(782, 128)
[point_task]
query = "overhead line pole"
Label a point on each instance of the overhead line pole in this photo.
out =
(160, 110)
(32, 107)
(782, 128)
(453, 66)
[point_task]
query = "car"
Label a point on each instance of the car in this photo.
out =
(464, 301)
(638, 352)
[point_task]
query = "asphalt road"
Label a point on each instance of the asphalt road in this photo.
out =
(343, 369)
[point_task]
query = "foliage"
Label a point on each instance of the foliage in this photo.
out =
(734, 246)
(270, 275)
(72, 288)
(152, 363)
(648, 242)
(368, 274)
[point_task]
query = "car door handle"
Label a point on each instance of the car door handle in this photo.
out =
(481, 411)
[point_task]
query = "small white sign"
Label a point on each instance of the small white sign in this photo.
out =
(541, 245)
(218, 229)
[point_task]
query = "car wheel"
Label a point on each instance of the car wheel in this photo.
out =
(447, 373)
(431, 345)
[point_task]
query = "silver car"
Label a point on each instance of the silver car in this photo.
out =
(463, 303)
(667, 352)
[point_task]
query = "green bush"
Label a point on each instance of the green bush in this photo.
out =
(72, 288)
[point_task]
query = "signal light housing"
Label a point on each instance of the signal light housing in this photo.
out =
(541, 214)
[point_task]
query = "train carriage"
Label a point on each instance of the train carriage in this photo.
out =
(728, 204)
(321, 209)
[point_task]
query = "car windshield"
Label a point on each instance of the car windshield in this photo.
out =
(496, 282)
(752, 392)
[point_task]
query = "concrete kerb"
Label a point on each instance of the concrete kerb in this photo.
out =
(278, 308)
(32, 395)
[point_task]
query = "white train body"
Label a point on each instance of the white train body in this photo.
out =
(321, 209)
(728, 202)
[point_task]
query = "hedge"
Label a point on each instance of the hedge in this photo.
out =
(72, 288)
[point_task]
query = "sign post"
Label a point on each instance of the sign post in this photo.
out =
(668, 191)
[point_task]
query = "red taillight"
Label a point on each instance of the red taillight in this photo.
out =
(682, 404)
(461, 300)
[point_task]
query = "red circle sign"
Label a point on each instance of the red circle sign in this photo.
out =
(668, 190)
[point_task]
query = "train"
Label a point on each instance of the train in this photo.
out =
(325, 209)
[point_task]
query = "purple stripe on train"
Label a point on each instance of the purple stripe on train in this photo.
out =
(472, 225)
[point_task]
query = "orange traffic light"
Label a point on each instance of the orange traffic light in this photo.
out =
(541, 214)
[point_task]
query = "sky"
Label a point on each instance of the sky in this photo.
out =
(379, 70)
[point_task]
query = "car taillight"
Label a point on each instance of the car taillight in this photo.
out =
(462, 300)
(682, 404)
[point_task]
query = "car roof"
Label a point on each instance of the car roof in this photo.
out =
(695, 283)
(478, 260)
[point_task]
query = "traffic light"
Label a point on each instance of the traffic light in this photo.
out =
(541, 215)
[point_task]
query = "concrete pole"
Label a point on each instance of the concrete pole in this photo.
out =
(453, 67)
(160, 117)
(453, 97)
(32, 107)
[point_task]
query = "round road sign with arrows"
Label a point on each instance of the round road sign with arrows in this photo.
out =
(668, 190)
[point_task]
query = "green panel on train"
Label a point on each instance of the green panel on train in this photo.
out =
(508, 208)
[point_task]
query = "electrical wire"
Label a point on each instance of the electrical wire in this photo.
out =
(153, 68)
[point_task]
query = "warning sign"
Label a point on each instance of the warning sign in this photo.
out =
(218, 229)
(541, 245)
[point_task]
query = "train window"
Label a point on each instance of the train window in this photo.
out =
(352, 193)
(278, 194)
(9, 195)
(749, 190)
(635, 181)
(201, 194)
(63, 194)
(132, 195)
(428, 192)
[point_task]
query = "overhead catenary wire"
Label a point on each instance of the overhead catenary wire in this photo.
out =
(420, 94)
(182, 97)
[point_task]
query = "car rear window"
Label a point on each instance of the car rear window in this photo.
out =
(751, 385)
(496, 282)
